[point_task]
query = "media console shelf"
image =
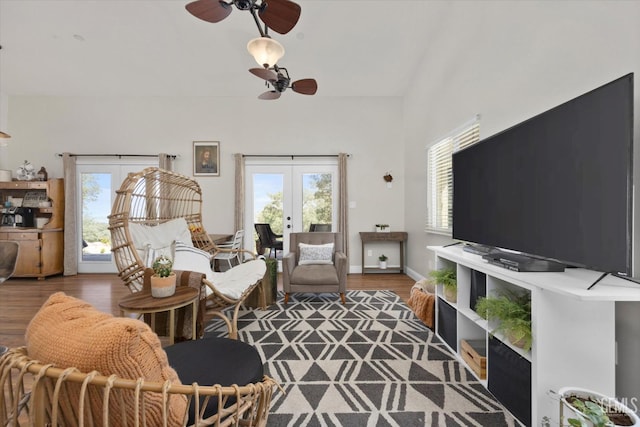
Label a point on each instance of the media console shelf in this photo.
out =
(573, 331)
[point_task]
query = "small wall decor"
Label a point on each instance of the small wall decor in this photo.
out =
(206, 158)
(387, 177)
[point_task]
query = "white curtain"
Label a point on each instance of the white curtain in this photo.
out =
(239, 189)
(343, 201)
(70, 220)
(165, 161)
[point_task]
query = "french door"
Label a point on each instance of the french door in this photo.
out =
(97, 184)
(290, 195)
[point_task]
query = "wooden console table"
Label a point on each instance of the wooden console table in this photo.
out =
(392, 236)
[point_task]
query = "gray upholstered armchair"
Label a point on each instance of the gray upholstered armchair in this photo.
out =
(315, 263)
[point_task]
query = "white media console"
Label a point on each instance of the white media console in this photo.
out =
(573, 331)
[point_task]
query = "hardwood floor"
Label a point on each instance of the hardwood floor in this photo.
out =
(20, 299)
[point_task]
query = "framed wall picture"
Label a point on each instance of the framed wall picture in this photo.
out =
(206, 158)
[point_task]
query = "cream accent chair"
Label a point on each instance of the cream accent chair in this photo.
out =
(316, 277)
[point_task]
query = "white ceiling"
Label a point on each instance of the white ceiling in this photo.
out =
(156, 48)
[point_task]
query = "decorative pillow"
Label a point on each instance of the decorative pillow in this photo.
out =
(315, 254)
(192, 259)
(69, 332)
(152, 241)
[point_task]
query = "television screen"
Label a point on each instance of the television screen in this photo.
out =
(557, 186)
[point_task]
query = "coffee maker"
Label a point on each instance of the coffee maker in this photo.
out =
(28, 217)
(18, 216)
(9, 216)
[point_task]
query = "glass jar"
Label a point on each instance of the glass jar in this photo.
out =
(42, 174)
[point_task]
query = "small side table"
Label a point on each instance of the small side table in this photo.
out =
(142, 302)
(393, 236)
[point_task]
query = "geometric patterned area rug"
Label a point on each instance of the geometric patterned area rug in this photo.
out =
(370, 362)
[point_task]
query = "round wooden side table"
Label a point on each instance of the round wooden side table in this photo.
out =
(142, 302)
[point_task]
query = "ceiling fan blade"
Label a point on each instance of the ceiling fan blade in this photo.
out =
(272, 94)
(280, 15)
(209, 10)
(264, 73)
(305, 86)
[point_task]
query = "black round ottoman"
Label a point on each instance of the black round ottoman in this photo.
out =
(211, 361)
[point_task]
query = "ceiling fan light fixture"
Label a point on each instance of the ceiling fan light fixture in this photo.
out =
(266, 51)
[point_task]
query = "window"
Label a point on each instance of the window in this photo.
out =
(439, 174)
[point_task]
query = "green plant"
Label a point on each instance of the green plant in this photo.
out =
(162, 266)
(445, 276)
(382, 226)
(383, 257)
(513, 311)
(589, 411)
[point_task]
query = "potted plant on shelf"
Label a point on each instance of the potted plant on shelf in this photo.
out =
(512, 310)
(591, 408)
(383, 261)
(447, 278)
(163, 281)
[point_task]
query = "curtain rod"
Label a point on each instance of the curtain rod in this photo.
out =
(173, 156)
(292, 155)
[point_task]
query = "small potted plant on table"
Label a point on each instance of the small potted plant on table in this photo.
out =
(163, 281)
(383, 261)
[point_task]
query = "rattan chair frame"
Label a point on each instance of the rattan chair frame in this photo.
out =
(37, 394)
(154, 196)
(151, 197)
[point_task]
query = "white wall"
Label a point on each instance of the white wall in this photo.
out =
(370, 129)
(509, 61)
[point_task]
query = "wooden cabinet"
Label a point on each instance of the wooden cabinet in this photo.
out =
(41, 251)
(567, 319)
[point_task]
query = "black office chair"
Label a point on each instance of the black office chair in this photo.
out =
(268, 239)
(320, 227)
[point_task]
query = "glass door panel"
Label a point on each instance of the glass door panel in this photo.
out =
(97, 184)
(317, 200)
(290, 196)
(96, 206)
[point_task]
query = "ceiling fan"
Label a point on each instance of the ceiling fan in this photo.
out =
(279, 15)
(278, 78)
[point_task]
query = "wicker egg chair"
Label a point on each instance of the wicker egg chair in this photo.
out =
(155, 196)
(36, 394)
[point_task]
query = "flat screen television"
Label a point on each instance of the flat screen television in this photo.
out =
(556, 186)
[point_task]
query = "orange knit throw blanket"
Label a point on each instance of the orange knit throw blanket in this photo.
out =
(423, 305)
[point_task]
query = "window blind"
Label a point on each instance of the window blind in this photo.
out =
(440, 176)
